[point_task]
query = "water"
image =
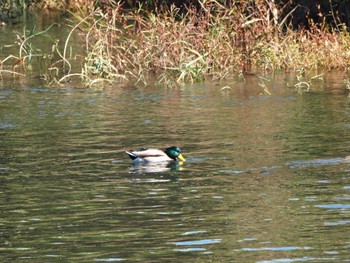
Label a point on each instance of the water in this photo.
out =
(265, 178)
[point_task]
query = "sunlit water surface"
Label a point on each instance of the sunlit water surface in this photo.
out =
(265, 178)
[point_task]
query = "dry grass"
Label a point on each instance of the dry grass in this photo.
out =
(217, 42)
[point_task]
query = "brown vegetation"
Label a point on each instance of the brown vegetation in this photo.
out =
(214, 41)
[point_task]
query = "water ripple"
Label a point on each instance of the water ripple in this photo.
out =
(334, 206)
(197, 242)
(191, 249)
(193, 232)
(289, 248)
(288, 260)
(109, 259)
(337, 223)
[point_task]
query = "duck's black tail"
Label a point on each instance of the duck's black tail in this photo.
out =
(131, 155)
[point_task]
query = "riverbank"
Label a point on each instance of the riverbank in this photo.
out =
(215, 42)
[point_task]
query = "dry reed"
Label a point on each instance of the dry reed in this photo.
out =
(214, 43)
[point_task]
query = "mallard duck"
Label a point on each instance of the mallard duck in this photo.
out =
(172, 153)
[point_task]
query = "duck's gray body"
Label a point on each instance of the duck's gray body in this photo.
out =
(151, 155)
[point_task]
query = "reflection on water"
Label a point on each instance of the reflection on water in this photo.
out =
(156, 167)
(265, 178)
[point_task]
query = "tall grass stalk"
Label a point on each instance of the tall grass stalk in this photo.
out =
(215, 43)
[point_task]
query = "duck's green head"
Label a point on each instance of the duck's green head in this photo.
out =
(174, 153)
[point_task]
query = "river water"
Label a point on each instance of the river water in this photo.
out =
(265, 178)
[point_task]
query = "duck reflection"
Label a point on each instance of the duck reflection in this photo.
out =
(156, 167)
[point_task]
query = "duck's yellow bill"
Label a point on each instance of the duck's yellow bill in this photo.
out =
(181, 157)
